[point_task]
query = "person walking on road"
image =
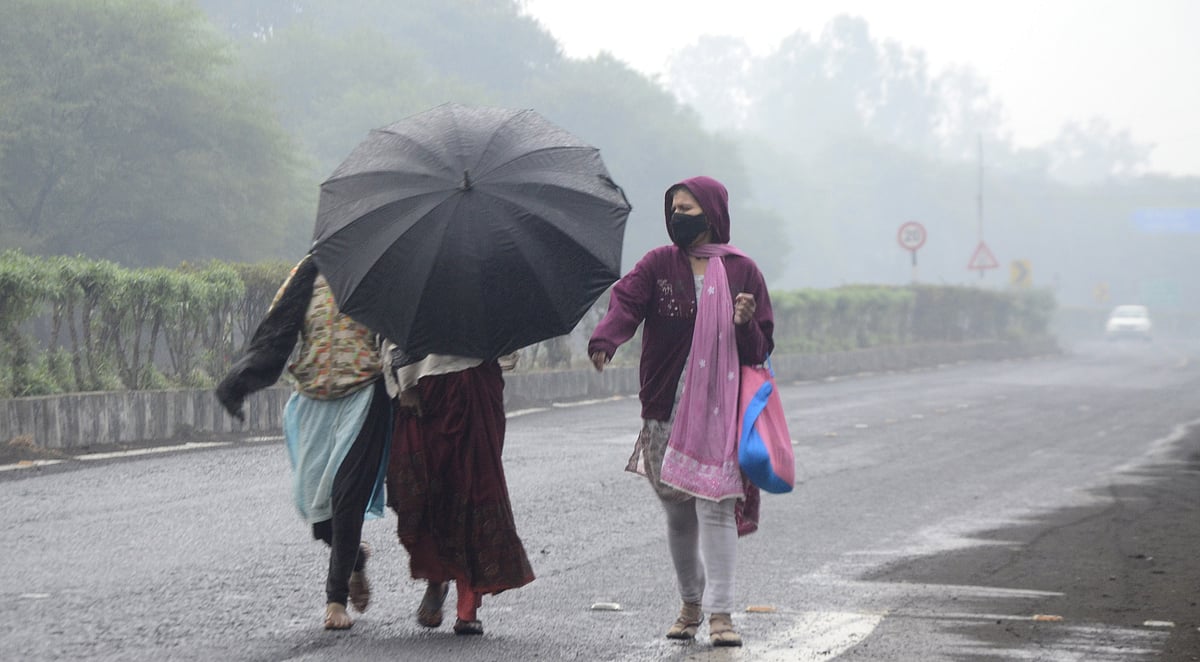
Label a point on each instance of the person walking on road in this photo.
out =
(337, 423)
(446, 483)
(706, 311)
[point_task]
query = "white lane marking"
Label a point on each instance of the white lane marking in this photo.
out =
(957, 616)
(191, 445)
(522, 412)
(581, 403)
(815, 637)
(1158, 452)
(564, 405)
(811, 636)
(28, 464)
(910, 589)
(1094, 642)
(1072, 643)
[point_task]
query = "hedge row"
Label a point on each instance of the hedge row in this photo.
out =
(70, 324)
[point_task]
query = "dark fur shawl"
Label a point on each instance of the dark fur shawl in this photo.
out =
(266, 355)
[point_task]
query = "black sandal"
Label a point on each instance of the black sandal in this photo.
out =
(467, 627)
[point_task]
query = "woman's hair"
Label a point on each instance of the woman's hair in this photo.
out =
(676, 188)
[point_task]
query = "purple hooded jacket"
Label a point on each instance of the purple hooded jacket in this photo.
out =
(660, 291)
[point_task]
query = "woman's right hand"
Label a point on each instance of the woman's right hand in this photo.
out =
(743, 308)
(598, 360)
(410, 401)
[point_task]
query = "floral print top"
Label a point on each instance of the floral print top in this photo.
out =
(337, 356)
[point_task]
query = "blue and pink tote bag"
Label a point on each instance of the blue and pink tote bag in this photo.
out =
(764, 444)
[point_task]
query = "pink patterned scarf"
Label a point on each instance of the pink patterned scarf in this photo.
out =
(701, 456)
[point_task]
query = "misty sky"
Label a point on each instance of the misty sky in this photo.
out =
(1135, 64)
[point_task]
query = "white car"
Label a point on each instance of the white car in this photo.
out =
(1128, 322)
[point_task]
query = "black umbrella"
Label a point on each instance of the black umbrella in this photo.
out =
(470, 230)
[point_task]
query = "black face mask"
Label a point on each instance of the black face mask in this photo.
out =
(685, 228)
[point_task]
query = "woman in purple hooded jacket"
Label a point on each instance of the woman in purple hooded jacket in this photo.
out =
(707, 312)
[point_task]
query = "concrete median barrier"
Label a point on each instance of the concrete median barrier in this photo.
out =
(89, 420)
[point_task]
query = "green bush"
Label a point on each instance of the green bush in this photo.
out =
(114, 328)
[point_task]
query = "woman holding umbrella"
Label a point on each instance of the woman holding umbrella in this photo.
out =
(707, 311)
(461, 234)
(446, 483)
(337, 423)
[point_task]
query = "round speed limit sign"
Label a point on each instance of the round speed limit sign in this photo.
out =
(911, 236)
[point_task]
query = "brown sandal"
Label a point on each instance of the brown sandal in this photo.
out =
(688, 623)
(720, 631)
(429, 614)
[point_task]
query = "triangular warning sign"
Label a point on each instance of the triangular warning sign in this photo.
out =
(983, 258)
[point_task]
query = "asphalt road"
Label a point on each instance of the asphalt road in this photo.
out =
(1046, 509)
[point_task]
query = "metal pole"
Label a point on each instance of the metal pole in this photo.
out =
(979, 198)
(979, 191)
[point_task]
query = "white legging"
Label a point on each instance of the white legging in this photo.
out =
(702, 536)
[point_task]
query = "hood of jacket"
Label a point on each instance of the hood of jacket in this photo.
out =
(714, 201)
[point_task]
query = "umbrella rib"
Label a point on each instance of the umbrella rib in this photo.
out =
(360, 173)
(541, 150)
(513, 118)
(495, 134)
(600, 201)
(544, 278)
(410, 142)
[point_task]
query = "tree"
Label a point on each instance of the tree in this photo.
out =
(252, 18)
(332, 88)
(126, 133)
(484, 43)
(812, 92)
(1093, 151)
(343, 69)
(712, 76)
(650, 141)
(490, 43)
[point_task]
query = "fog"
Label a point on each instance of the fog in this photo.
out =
(828, 143)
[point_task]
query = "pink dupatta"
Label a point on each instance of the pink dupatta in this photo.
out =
(701, 457)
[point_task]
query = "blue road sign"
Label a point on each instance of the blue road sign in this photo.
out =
(1180, 220)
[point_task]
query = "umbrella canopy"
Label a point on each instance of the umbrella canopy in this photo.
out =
(472, 231)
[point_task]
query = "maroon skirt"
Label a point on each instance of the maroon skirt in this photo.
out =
(446, 484)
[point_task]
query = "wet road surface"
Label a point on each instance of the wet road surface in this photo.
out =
(961, 512)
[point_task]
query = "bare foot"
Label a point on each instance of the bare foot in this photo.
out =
(336, 617)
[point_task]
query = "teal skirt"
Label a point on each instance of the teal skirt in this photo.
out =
(319, 434)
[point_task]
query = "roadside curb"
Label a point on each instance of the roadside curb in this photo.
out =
(93, 456)
(87, 422)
